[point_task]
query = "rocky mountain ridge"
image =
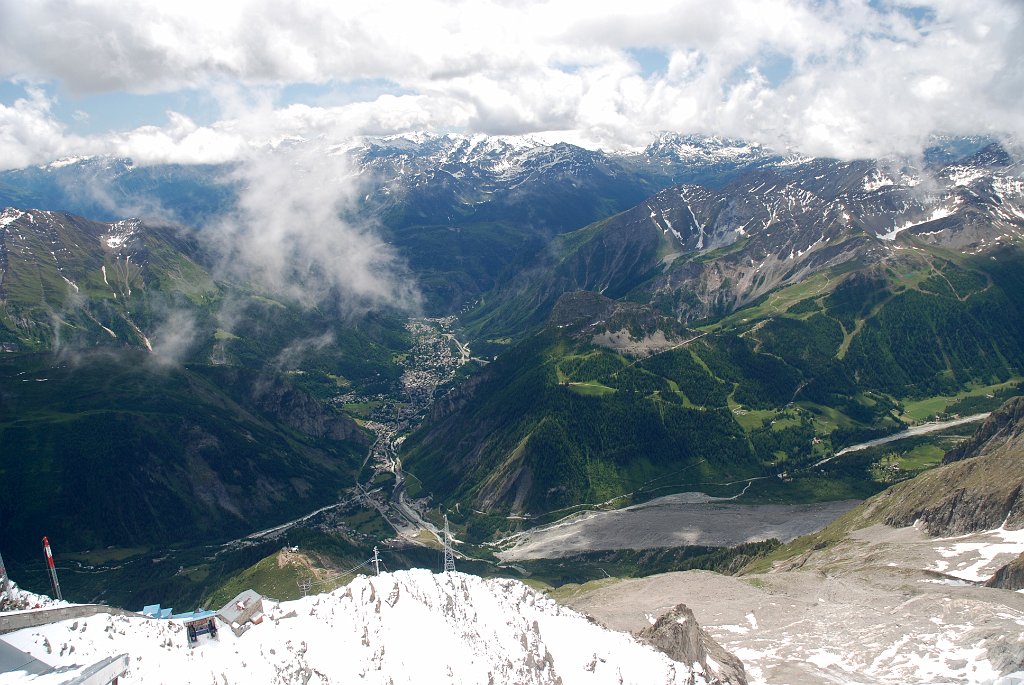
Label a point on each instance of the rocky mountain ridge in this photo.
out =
(466, 169)
(980, 487)
(481, 631)
(699, 251)
(470, 212)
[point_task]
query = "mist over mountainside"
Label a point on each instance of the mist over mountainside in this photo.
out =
(469, 213)
(464, 211)
(147, 402)
(630, 336)
(427, 175)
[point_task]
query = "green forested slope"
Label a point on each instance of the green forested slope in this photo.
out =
(109, 449)
(770, 390)
(219, 430)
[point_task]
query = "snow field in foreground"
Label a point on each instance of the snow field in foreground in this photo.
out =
(404, 627)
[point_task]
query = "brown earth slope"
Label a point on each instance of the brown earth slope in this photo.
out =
(980, 488)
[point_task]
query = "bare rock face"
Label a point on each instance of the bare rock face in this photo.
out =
(301, 411)
(678, 635)
(1003, 426)
(981, 487)
(1009, 577)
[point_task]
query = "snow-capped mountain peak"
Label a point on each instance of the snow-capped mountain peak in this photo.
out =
(404, 627)
(697, 149)
(121, 232)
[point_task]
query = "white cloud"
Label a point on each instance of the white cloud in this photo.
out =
(858, 78)
(287, 235)
(29, 133)
(181, 140)
(173, 338)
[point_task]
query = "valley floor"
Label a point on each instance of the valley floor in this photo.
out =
(673, 521)
(885, 606)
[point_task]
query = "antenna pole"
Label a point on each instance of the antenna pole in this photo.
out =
(449, 558)
(53, 571)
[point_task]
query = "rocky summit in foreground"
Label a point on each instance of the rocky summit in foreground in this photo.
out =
(403, 627)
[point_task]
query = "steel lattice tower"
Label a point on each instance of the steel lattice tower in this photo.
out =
(449, 558)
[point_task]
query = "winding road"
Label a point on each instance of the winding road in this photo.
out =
(923, 429)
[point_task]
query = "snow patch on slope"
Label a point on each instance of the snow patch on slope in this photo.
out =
(9, 216)
(67, 161)
(877, 180)
(120, 233)
(964, 175)
(977, 556)
(937, 213)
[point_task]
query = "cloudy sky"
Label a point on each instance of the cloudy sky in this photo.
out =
(206, 81)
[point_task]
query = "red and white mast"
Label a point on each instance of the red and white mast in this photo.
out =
(53, 571)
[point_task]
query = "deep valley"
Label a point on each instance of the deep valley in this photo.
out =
(592, 387)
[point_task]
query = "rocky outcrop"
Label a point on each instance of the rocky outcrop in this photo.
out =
(272, 395)
(982, 487)
(1009, 577)
(302, 412)
(457, 398)
(678, 635)
(1004, 426)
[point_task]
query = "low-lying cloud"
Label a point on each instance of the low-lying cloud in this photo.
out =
(174, 337)
(287, 236)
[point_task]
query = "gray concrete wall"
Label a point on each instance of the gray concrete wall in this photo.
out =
(40, 617)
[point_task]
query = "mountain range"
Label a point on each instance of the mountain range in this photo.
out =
(704, 314)
(820, 297)
(464, 211)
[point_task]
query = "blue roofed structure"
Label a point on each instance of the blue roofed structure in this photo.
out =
(156, 611)
(198, 622)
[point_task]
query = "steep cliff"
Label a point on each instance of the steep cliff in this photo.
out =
(1009, 577)
(980, 488)
(1003, 427)
(677, 634)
